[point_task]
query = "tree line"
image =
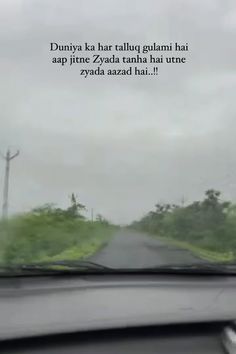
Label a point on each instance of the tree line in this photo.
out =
(209, 223)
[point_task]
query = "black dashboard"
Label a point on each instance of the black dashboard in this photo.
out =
(116, 314)
(203, 338)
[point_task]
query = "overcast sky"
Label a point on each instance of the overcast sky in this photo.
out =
(121, 144)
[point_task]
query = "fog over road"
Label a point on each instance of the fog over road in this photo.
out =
(131, 249)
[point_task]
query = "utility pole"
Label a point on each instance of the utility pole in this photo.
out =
(7, 158)
(92, 214)
(183, 200)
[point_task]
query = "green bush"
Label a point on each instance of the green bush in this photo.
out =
(40, 235)
(209, 224)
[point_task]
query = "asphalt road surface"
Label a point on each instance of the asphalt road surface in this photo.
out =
(131, 249)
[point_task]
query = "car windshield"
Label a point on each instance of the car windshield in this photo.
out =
(117, 136)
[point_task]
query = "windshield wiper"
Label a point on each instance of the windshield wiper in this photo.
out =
(53, 267)
(67, 264)
(201, 268)
(83, 266)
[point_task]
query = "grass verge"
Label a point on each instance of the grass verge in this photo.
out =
(78, 253)
(31, 238)
(211, 256)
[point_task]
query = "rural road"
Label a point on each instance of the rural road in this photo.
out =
(131, 249)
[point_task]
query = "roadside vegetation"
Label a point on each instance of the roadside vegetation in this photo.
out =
(206, 227)
(49, 233)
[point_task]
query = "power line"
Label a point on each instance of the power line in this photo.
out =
(8, 157)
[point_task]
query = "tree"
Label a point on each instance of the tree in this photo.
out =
(75, 207)
(210, 223)
(211, 198)
(101, 219)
